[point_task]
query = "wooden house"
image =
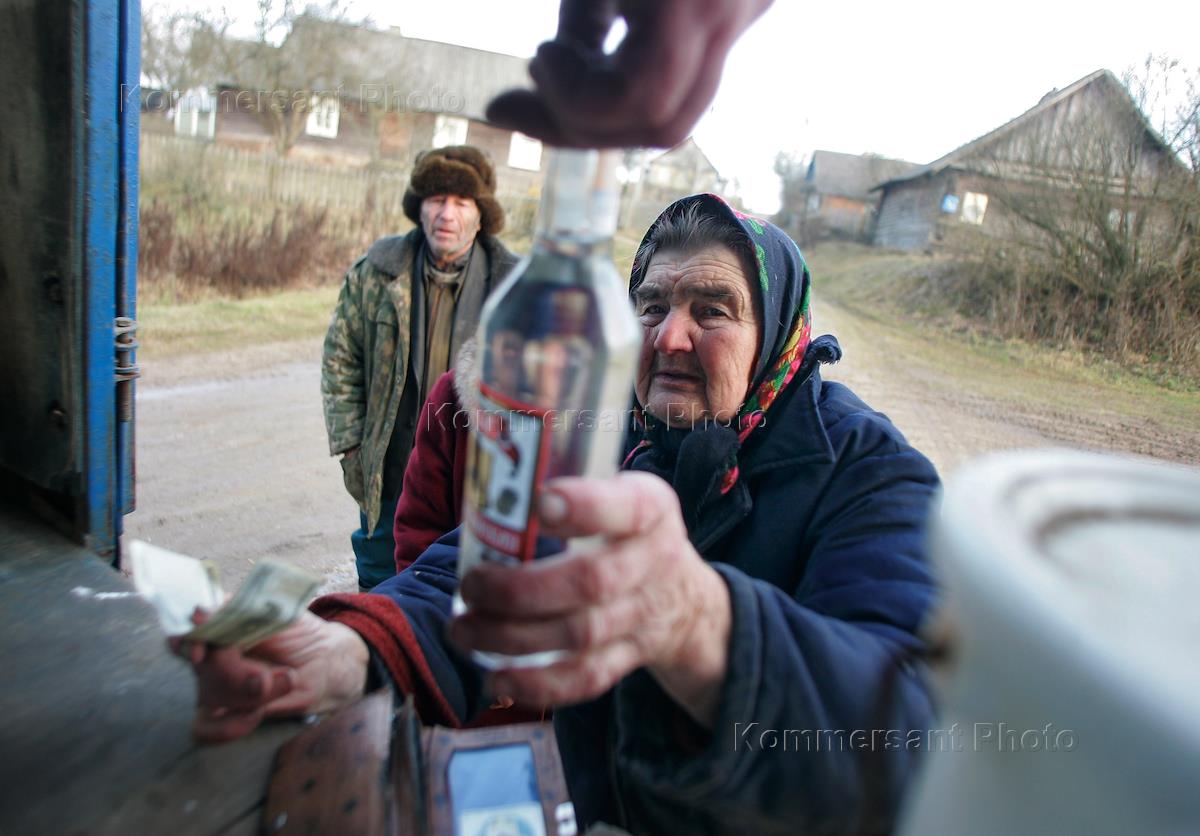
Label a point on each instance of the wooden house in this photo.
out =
(660, 177)
(1088, 133)
(682, 170)
(834, 199)
(386, 98)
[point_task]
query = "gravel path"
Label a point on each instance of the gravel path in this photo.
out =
(950, 425)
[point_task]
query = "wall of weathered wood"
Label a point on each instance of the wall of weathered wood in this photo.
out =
(909, 212)
(1064, 147)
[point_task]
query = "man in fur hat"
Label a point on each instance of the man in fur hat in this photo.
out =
(404, 310)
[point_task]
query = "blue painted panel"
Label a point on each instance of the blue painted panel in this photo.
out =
(130, 113)
(101, 200)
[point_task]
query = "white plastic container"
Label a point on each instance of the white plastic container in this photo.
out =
(1073, 607)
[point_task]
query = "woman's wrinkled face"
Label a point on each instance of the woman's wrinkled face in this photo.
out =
(701, 336)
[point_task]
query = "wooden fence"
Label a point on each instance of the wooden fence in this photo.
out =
(178, 164)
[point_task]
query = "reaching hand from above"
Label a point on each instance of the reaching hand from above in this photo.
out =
(312, 666)
(650, 92)
(639, 596)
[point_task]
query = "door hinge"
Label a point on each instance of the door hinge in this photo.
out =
(125, 344)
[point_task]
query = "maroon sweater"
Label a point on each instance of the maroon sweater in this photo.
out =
(428, 508)
(431, 500)
(430, 505)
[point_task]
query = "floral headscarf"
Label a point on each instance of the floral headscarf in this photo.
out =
(784, 285)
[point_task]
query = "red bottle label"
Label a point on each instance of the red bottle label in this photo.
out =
(510, 452)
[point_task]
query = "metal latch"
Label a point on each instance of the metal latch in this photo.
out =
(125, 343)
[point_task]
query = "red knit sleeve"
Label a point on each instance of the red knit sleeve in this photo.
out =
(383, 626)
(428, 505)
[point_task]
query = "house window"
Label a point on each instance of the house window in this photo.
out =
(661, 175)
(974, 207)
(525, 153)
(1119, 220)
(196, 114)
(814, 202)
(950, 204)
(323, 117)
(449, 130)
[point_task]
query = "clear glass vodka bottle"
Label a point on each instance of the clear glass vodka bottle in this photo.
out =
(558, 344)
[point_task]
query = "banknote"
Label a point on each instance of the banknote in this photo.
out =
(271, 598)
(174, 583)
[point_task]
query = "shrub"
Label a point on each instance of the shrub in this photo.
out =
(185, 249)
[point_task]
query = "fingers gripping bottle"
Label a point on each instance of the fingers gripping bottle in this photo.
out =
(558, 345)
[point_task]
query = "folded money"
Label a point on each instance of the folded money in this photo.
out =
(273, 596)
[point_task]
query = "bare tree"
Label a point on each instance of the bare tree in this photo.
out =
(175, 47)
(296, 57)
(796, 213)
(1094, 220)
(1168, 93)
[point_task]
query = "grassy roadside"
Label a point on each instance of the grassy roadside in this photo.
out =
(878, 295)
(219, 323)
(206, 322)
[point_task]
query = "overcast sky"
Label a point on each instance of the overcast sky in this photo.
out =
(908, 80)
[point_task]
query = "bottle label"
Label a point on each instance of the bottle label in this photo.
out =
(509, 454)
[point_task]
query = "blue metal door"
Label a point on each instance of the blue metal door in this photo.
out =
(68, 254)
(113, 103)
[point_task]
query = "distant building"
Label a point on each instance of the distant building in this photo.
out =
(1089, 132)
(662, 177)
(834, 199)
(683, 170)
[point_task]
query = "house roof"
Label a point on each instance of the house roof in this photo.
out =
(377, 66)
(852, 175)
(688, 151)
(462, 79)
(962, 154)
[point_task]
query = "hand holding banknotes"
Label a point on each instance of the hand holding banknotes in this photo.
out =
(311, 666)
(256, 655)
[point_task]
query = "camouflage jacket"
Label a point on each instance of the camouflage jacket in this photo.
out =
(366, 363)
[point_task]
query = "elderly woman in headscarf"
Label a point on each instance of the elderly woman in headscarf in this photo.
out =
(754, 576)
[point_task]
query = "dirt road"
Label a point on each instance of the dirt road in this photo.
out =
(949, 423)
(233, 465)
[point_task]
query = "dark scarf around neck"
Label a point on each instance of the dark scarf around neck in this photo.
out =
(475, 284)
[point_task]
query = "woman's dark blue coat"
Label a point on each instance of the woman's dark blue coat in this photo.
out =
(822, 544)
